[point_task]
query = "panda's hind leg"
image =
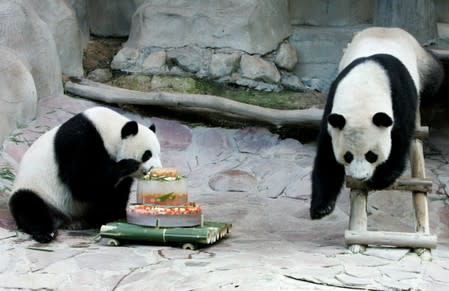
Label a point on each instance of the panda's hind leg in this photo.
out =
(34, 216)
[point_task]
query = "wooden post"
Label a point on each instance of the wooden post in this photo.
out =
(418, 170)
(358, 220)
(419, 198)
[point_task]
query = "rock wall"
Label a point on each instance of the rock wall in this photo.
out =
(269, 72)
(18, 98)
(442, 10)
(111, 17)
(80, 8)
(252, 26)
(331, 12)
(403, 13)
(234, 41)
(25, 33)
(319, 50)
(63, 23)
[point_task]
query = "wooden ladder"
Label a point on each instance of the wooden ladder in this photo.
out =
(357, 237)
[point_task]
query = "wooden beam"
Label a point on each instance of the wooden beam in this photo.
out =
(422, 132)
(110, 94)
(390, 238)
(401, 184)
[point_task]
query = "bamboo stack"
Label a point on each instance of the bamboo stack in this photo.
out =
(207, 233)
(358, 237)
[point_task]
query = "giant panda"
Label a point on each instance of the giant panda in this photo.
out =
(80, 172)
(369, 117)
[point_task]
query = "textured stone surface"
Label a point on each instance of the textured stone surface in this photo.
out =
(402, 13)
(442, 9)
(331, 13)
(254, 26)
(63, 23)
(286, 57)
(18, 98)
(273, 244)
(189, 59)
(155, 62)
(111, 17)
(100, 75)
(319, 50)
(80, 7)
(125, 59)
(35, 45)
(256, 68)
(233, 181)
(291, 81)
(223, 64)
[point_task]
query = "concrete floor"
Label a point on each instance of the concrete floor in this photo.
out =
(273, 244)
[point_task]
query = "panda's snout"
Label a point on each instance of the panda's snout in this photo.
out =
(152, 163)
(359, 171)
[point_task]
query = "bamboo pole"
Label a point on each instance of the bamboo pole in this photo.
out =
(207, 234)
(109, 94)
(399, 239)
(358, 220)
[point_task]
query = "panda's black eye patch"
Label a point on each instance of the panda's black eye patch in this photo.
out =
(146, 156)
(348, 157)
(371, 157)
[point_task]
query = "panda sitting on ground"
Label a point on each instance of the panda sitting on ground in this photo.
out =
(370, 114)
(81, 172)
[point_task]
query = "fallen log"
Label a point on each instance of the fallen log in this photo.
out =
(110, 94)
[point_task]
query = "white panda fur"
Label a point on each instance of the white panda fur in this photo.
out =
(369, 118)
(65, 180)
(348, 104)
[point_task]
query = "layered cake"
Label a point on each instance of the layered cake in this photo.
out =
(162, 201)
(162, 186)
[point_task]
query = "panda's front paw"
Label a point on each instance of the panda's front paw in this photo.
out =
(319, 211)
(128, 167)
(43, 237)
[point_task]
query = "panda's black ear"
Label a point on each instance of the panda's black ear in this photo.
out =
(336, 120)
(153, 128)
(381, 119)
(130, 128)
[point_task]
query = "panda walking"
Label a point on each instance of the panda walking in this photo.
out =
(81, 172)
(369, 117)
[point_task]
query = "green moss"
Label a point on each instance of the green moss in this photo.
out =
(133, 82)
(277, 100)
(174, 84)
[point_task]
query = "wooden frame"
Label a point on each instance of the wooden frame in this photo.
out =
(357, 237)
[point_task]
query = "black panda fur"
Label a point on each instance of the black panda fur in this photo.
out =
(328, 175)
(92, 176)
